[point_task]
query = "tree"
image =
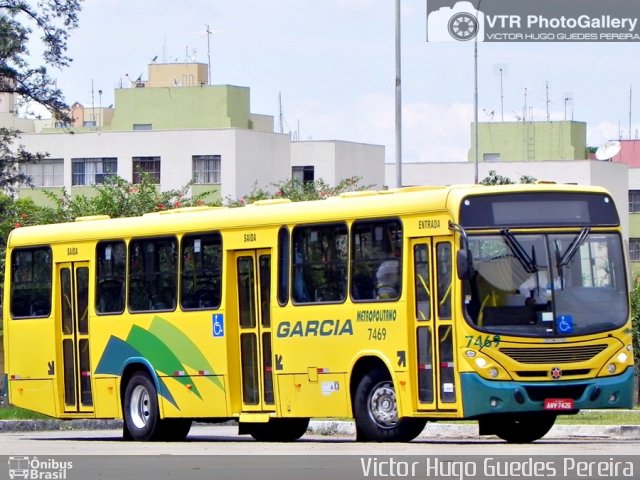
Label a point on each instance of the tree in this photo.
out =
(635, 319)
(26, 78)
(495, 179)
(298, 191)
(117, 198)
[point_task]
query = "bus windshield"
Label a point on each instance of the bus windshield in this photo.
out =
(546, 285)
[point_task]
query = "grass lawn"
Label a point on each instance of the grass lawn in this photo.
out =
(601, 417)
(15, 413)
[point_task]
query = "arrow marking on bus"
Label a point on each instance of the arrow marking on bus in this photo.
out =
(402, 358)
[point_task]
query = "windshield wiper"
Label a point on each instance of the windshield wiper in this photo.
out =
(564, 259)
(527, 262)
(571, 250)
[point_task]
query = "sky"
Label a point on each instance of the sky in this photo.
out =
(333, 64)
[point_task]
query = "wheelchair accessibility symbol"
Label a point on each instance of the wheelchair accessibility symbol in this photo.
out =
(564, 324)
(217, 320)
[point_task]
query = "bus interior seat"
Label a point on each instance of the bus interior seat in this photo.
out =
(111, 295)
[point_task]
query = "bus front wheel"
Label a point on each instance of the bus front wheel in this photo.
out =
(141, 417)
(279, 430)
(525, 428)
(376, 410)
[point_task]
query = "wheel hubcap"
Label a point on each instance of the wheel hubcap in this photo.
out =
(382, 405)
(140, 409)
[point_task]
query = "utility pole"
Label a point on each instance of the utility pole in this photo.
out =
(398, 100)
(476, 176)
(209, 54)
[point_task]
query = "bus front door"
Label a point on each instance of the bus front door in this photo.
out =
(434, 326)
(73, 313)
(253, 272)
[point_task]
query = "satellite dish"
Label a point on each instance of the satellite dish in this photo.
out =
(608, 150)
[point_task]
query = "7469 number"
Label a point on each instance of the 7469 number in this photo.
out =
(482, 341)
(377, 333)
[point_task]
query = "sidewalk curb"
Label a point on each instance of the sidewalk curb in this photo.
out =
(465, 431)
(341, 428)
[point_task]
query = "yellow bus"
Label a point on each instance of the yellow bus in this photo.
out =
(507, 305)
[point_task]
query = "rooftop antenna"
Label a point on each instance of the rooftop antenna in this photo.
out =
(619, 131)
(630, 92)
(280, 114)
(93, 103)
(547, 99)
(488, 114)
(501, 69)
(568, 101)
(209, 33)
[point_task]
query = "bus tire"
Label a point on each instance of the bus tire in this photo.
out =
(141, 414)
(280, 430)
(376, 411)
(173, 429)
(524, 428)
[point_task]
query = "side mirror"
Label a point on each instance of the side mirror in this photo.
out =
(464, 263)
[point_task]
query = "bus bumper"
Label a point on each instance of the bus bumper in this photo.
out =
(482, 397)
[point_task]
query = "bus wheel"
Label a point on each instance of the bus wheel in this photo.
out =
(141, 418)
(376, 411)
(280, 430)
(174, 429)
(524, 428)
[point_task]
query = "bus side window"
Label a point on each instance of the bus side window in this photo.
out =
(111, 267)
(422, 282)
(31, 270)
(320, 263)
(152, 274)
(443, 258)
(201, 277)
(283, 266)
(376, 261)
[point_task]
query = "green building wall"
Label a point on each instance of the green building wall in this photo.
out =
(182, 108)
(211, 193)
(529, 141)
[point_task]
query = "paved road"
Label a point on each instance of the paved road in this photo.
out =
(217, 452)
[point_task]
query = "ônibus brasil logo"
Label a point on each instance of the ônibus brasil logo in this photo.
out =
(34, 468)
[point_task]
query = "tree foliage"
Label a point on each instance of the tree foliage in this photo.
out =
(635, 318)
(117, 197)
(495, 179)
(47, 24)
(20, 21)
(298, 191)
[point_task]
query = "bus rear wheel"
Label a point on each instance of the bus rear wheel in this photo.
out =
(280, 429)
(524, 428)
(141, 417)
(376, 410)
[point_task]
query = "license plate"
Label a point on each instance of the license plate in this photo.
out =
(558, 404)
